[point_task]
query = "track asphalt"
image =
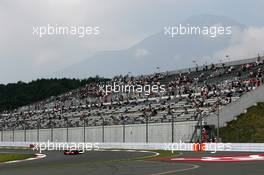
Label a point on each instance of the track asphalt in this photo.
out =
(116, 163)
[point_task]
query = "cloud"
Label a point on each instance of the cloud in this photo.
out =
(245, 44)
(141, 53)
(122, 23)
(25, 57)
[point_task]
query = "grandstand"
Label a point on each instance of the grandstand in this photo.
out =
(192, 96)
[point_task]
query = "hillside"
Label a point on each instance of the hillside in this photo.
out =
(157, 50)
(248, 127)
(18, 94)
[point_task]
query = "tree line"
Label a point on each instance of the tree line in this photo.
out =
(18, 94)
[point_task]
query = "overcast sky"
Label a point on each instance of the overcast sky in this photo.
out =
(122, 23)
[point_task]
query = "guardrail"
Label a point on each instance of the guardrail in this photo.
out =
(213, 147)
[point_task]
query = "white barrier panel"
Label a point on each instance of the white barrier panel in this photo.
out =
(214, 147)
(148, 146)
(257, 147)
(14, 144)
(151, 133)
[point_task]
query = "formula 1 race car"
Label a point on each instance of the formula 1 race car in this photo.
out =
(73, 152)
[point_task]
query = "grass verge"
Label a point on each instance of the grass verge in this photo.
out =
(248, 128)
(5, 157)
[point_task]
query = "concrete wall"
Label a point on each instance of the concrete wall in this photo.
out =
(236, 147)
(93, 134)
(7, 135)
(137, 133)
(229, 112)
(44, 135)
(60, 135)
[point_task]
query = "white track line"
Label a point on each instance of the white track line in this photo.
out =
(176, 171)
(38, 156)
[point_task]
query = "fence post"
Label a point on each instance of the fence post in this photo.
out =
(172, 128)
(67, 131)
(147, 125)
(2, 133)
(13, 132)
(84, 127)
(103, 139)
(124, 132)
(25, 133)
(51, 130)
(38, 130)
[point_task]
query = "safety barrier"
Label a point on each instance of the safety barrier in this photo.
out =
(213, 147)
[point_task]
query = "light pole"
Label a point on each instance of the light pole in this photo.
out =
(2, 133)
(25, 134)
(38, 123)
(103, 123)
(228, 59)
(67, 129)
(172, 128)
(147, 122)
(124, 128)
(13, 132)
(218, 121)
(158, 69)
(52, 126)
(201, 125)
(196, 65)
(84, 128)
(172, 124)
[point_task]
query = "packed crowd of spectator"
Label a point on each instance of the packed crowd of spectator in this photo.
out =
(188, 96)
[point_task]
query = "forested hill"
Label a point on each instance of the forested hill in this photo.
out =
(18, 94)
